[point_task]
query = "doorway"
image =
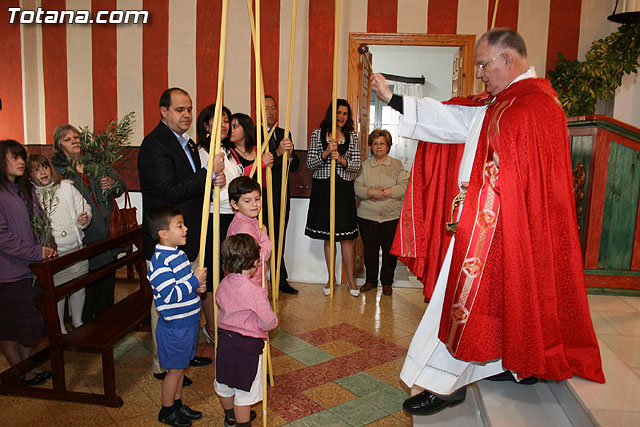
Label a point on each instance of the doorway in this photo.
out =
(457, 52)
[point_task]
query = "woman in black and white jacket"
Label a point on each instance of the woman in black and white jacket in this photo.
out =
(344, 148)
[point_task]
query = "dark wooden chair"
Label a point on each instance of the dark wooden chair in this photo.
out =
(97, 335)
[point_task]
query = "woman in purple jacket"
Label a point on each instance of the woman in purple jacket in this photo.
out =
(21, 323)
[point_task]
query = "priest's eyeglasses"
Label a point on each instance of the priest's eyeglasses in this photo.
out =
(481, 66)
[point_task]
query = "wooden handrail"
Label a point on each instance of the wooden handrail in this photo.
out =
(45, 269)
(61, 262)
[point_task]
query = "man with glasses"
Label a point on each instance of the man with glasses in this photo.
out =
(510, 301)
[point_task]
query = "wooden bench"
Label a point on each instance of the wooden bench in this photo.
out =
(97, 335)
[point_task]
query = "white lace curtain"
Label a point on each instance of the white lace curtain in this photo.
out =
(404, 149)
(412, 89)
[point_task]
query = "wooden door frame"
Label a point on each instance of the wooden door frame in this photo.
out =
(465, 41)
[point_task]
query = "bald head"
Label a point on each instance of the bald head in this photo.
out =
(501, 56)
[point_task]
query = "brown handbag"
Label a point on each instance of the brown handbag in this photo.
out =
(124, 219)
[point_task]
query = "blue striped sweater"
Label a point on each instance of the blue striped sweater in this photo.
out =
(174, 287)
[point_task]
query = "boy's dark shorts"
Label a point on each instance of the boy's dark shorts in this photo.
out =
(176, 346)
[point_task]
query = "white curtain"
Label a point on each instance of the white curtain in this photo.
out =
(404, 149)
(412, 89)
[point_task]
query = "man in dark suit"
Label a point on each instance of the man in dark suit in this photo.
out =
(278, 144)
(171, 174)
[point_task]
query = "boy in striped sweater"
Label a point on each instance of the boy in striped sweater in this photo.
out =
(175, 287)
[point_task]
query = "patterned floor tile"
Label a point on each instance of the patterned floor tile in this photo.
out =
(389, 421)
(311, 356)
(131, 351)
(404, 418)
(285, 364)
(140, 364)
(143, 420)
(275, 352)
(290, 344)
(278, 334)
(361, 384)
(291, 405)
(87, 415)
(273, 419)
(329, 395)
(389, 373)
(24, 411)
(389, 399)
(339, 348)
(295, 325)
(137, 404)
(41, 420)
(319, 419)
(358, 412)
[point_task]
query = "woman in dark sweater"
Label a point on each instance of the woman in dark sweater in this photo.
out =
(21, 323)
(66, 145)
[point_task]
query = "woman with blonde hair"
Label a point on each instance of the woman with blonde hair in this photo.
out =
(67, 161)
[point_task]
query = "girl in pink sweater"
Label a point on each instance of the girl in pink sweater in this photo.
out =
(245, 317)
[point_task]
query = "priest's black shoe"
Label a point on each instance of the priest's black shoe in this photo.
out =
(200, 361)
(188, 413)
(508, 376)
(186, 381)
(175, 419)
(427, 403)
(287, 288)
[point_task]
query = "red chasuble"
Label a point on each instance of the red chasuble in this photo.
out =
(421, 241)
(516, 286)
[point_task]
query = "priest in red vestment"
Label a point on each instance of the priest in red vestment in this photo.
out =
(510, 299)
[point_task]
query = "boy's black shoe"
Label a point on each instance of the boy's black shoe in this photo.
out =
(200, 361)
(231, 421)
(188, 413)
(186, 382)
(175, 419)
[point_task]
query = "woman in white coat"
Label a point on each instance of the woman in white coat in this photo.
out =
(69, 215)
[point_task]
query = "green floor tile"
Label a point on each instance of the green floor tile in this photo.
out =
(130, 347)
(130, 351)
(148, 344)
(389, 399)
(319, 419)
(358, 412)
(361, 383)
(290, 344)
(279, 334)
(126, 341)
(311, 356)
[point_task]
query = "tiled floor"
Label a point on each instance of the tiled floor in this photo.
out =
(336, 363)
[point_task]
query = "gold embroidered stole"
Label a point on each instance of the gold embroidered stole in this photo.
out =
(487, 209)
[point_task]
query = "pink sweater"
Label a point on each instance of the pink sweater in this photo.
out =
(243, 224)
(244, 307)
